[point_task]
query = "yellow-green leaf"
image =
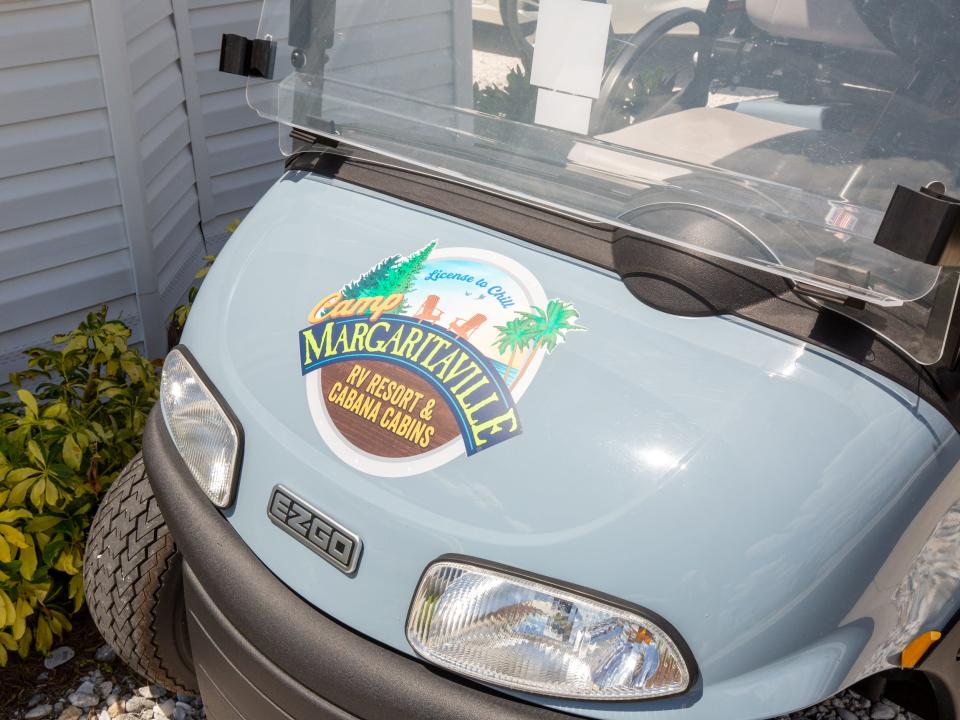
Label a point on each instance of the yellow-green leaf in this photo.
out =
(23, 608)
(9, 609)
(72, 454)
(61, 619)
(75, 591)
(22, 474)
(52, 493)
(55, 410)
(33, 450)
(28, 560)
(27, 398)
(42, 523)
(8, 516)
(44, 635)
(19, 493)
(4, 557)
(77, 342)
(19, 626)
(131, 367)
(23, 644)
(37, 493)
(8, 642)
(3, 656)
(13, 536)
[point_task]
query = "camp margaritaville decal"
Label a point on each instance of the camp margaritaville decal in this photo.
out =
(424, 357)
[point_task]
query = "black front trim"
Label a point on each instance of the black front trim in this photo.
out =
(663, 276)
(347, 673)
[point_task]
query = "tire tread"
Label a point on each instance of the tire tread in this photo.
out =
(129, 554)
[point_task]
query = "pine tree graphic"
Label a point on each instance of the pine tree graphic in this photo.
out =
(396, 274)
(363, 285)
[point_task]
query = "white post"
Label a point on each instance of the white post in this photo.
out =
(117, 87)
(462, 19)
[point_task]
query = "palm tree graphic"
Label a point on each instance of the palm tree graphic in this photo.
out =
(513, 336)
(546, 329)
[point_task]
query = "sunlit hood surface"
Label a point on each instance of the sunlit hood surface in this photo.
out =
(751, 490)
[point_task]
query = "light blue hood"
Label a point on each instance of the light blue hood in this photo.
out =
(784, 509)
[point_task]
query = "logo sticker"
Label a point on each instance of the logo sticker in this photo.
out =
(423, 358)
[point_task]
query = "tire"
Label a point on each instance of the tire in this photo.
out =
(132, 576)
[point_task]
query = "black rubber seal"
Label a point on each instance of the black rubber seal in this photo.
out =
(351, 671)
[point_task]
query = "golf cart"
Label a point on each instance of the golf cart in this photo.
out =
(644, 406)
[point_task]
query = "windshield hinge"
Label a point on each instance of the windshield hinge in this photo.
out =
(817, 293)
(250, 58)
(834, 268)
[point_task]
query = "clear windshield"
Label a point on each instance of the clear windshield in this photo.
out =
(789, 122)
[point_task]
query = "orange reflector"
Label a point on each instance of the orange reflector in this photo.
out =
(917, 648)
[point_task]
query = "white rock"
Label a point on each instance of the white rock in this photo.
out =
(105, 688)
(83, 700)
(58, 657)
(847, 715)
(151, 691)
(70, 713)
(164, 710)
(87, 688)
(38, 711)
(882, 711)
(104, 653)
(138, 704)
(114, 707)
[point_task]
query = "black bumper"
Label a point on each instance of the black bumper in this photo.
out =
(261, 652)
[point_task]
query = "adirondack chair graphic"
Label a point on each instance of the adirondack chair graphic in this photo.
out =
(428, 311)
(465, 328)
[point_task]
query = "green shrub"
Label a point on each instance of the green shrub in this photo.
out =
(60, 447)
(514, 100)
(178, 318)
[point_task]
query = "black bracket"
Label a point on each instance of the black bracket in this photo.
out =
(250, 58)
(919, 223)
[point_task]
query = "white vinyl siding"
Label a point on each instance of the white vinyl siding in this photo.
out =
(125, 153)
(63, 248)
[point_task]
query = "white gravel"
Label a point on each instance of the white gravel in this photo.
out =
(117, 698)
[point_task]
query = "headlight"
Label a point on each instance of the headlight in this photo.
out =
(526, 634)
(203, 430)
